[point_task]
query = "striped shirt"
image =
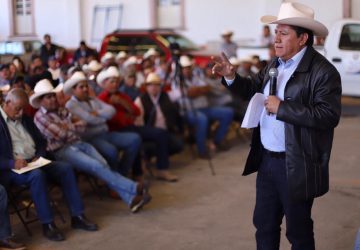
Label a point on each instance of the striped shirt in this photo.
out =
(57, 127)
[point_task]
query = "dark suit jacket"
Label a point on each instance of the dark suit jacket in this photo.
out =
(6, 148)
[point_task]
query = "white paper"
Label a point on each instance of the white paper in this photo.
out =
(253, 111)
(33, 165)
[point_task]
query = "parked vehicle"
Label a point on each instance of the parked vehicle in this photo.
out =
(22, 48)
(137, 42)
(341, 48)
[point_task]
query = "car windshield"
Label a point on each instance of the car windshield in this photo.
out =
(350, 37)
(184, 43)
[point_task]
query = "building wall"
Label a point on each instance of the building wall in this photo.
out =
(69, 21)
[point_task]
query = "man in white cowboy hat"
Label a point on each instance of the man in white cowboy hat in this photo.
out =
(120, 59)
(291, 147)
(61, 131)
(228, 46)
(22, 143)
(96, 113)
(107, 59)
(91, 71)
(124, 120)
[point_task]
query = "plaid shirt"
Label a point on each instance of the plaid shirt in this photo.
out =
(57, 128)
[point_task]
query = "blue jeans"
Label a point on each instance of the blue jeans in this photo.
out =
(272, 203)
(5, 230)
(59, 172)
(201, 118)
(155, 135)
(109, 144)
(84, 157)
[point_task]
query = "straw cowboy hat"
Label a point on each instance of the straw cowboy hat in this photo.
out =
(153, 78)
(93, 66)
(185, 61)
(43, 87)
(77, 77)
(297, 14)
(109, 72)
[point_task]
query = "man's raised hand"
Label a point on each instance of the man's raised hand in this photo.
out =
(223, 67)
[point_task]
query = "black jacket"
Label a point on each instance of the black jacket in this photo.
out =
(311, 110)
(6, 148)
(168, 108)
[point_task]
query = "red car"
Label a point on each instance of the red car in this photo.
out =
(137, 42)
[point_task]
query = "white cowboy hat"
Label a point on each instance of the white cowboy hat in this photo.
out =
(227, 33)
(94, 66)
(297, 14)
(150, 52)
(77, 77)
(109, 72)
(121, 55)
(43, 87)
(107, 56)
(185, 61)
(130, 61)
(153, 78)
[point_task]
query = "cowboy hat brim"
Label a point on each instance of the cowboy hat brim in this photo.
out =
(69, 84)
(318, 28)
(34, 98)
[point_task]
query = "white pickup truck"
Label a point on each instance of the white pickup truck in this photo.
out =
(341, 48)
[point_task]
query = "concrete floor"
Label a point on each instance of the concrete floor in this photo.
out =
(202, 211)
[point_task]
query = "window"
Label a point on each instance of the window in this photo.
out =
(169, 14)
(350, 37)
(23, 17)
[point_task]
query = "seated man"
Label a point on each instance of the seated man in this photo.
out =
(158, 111)
(191, 95)
(5, 232)
(61, 131)
(21, 142)
(95, 113)
(123, 120)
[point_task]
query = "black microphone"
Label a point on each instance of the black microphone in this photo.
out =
(273, 73)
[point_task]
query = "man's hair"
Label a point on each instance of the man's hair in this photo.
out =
(301, 30)
(15, 95)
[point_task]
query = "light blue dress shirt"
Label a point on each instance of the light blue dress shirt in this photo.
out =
(272, 131)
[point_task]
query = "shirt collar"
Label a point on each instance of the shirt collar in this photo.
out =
(295, 59)
(4, 115)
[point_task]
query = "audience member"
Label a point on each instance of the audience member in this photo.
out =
(126, 113)
(22, 143)
(61, 131)
(266, 38)
(95, 113)
(128, 85)
(156, 110)
(228, 46)
(191, 95)
(84, 51)
(48, 49)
